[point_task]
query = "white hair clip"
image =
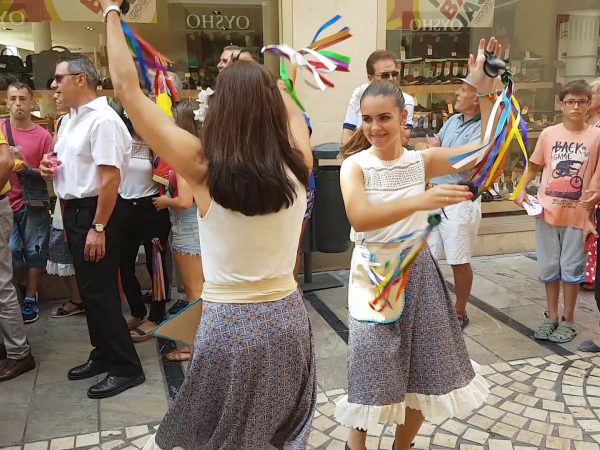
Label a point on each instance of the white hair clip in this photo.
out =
(356, 98)
(200, 113)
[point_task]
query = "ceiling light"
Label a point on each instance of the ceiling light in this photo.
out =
(7, 29)
(217, 13)
(89, 28)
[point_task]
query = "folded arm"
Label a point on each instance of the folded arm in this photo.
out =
(180, 149)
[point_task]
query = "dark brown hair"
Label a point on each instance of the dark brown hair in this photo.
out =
(385, 88)
(577, 87)
(247, 143)
(375, 57)
(183, 113)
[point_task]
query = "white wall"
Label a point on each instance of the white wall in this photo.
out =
(300, 21)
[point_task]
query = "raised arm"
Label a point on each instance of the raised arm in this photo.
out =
(366, 217)
(437, 159)
(300, 131)
(180, 149)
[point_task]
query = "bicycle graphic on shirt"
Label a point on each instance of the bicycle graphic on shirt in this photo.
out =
(569, 168)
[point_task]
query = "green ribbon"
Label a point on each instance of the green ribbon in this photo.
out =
(288, 84)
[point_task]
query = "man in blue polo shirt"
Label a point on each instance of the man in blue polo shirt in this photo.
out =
(456, 236)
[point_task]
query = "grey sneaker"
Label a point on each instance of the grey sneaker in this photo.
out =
(565, 332)
(546, 329)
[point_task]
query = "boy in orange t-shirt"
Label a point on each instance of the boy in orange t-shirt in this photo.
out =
(568, 153)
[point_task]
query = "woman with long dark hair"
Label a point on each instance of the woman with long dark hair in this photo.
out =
(407, 359)
(251, 380)
(185, 237)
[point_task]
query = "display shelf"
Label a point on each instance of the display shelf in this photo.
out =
(452, 88)
(500, 206)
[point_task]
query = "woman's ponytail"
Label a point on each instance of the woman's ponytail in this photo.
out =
(357, 143)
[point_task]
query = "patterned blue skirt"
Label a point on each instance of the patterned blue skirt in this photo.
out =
(251, 381)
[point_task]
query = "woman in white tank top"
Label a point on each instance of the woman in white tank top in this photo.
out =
(251, 379)
(408, 360)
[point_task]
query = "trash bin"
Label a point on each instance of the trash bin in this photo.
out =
(332, 230)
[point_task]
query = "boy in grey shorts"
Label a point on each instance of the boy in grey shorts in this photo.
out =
(568, 153)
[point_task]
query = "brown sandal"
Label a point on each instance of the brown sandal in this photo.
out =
(62, 312)
(180, 355)
(135, 322)
(140, 335)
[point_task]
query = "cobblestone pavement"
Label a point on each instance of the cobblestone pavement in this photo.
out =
(549, 403)
(544, 395)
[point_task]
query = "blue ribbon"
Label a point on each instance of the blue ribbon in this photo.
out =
(325, 26)
(140, 55)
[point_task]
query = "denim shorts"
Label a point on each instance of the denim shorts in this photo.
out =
(185, 237)
(560, 253)
(30, 238)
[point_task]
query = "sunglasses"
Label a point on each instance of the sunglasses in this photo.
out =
(58, 78)
(389, 75)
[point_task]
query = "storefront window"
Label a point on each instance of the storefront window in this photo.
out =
(191, 33)
(547, 43)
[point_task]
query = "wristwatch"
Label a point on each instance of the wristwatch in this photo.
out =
(98, 227)
(109, 9)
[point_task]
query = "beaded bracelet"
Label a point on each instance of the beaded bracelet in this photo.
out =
(488, 94)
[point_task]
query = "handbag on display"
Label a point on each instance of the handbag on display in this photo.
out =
(33, 187)
(43, 66)
(12, 70)
(11, 63)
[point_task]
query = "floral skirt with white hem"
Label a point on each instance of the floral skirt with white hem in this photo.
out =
(419, 361)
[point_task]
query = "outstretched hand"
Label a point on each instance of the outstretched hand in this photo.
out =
(484, 83)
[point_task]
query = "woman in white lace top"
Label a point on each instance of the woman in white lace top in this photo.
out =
(407, 361)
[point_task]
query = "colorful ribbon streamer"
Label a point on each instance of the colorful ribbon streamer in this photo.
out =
(402, 272)
(491, 156)
(322, 62)
(158, 276)
(148, 57)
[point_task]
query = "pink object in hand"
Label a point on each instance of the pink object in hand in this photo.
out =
(54, 160)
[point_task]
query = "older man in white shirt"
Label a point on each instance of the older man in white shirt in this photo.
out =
(93, 158)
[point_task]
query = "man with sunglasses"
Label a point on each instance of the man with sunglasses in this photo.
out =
(568, 153)
(381, 65)
(93, 158)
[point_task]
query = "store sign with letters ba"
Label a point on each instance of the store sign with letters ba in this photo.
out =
(438, 15)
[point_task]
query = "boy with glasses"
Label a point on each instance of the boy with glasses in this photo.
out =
(381, 65)
(568, 153)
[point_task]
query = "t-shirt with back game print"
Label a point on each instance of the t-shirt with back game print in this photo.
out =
(569, 160)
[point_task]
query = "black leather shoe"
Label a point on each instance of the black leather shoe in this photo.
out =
(3, 354)
(88, 370)
(113, 385)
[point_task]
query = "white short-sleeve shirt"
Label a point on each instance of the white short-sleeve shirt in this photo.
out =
(94, 136)
(353, 118)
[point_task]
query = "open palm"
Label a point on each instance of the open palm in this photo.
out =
(484, 83)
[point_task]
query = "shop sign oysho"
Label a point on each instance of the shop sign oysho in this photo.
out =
(437, 15)
(219, 22)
